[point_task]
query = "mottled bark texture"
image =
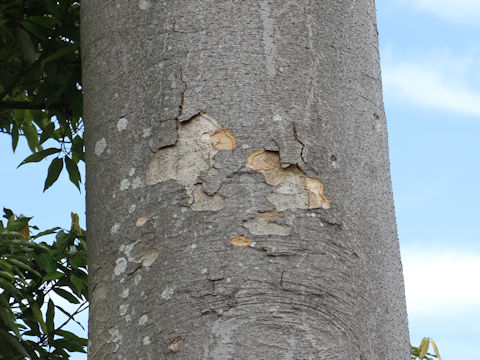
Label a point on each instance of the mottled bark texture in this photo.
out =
(239, 202)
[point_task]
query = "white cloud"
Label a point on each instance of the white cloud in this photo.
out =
(454, 10)
(440, 81)
(439, 283)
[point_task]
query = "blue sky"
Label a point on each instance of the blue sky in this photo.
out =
(430, 52)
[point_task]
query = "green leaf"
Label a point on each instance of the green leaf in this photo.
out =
(18, 223)
(53, 276)
(47, 232)
(7, 286)
(77, 282)
(32, 28)
(37, 315)
(61, 52)
(15, 134)
(66, 295)
(54, 171)
(19, 115)
(8, 319)
(47, 262)
(30, 132)
(78, 260)
(47, 133)
(40, 155)
(44, 21)
(77, 149)
(73, 172)
(14, 342)
(26, 45)
(24, 266)
(49, 317)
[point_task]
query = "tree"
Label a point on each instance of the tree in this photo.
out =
(239, 203)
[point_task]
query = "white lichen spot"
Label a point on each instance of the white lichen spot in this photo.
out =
(143, 320)
(245, 146)
(199, 139)
(128, 318)
(131, 172)
(115, 337)
(125, 293)
(136, 183)
(137, 279)
(146, 132)
(146, 340)
(144, 4)
(114, 229)
(123, 309)
(121, 266)
(167, 293)
(204, 271)
(100, 146)
(125, 184)
(122, 124)
(132, 208)
(277, 118)
(228, 280)
(193, 246)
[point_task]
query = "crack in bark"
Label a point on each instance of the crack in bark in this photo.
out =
(180, 108)
(295, 135)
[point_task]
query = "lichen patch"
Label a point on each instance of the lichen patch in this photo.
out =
(292, 188)
(167, 292)
(121, 266)
(122, 124)
(241, 240)
(100, 146)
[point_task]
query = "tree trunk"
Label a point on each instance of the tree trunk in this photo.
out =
(239, 201)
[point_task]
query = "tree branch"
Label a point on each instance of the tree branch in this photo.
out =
(28, 105)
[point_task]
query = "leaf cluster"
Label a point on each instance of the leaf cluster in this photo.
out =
(421, 352)
(34, 276)
(40, 81)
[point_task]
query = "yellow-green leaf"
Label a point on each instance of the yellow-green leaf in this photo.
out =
(435, 348)
(424, 345)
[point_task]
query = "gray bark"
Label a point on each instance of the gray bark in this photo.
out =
(239, 202)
